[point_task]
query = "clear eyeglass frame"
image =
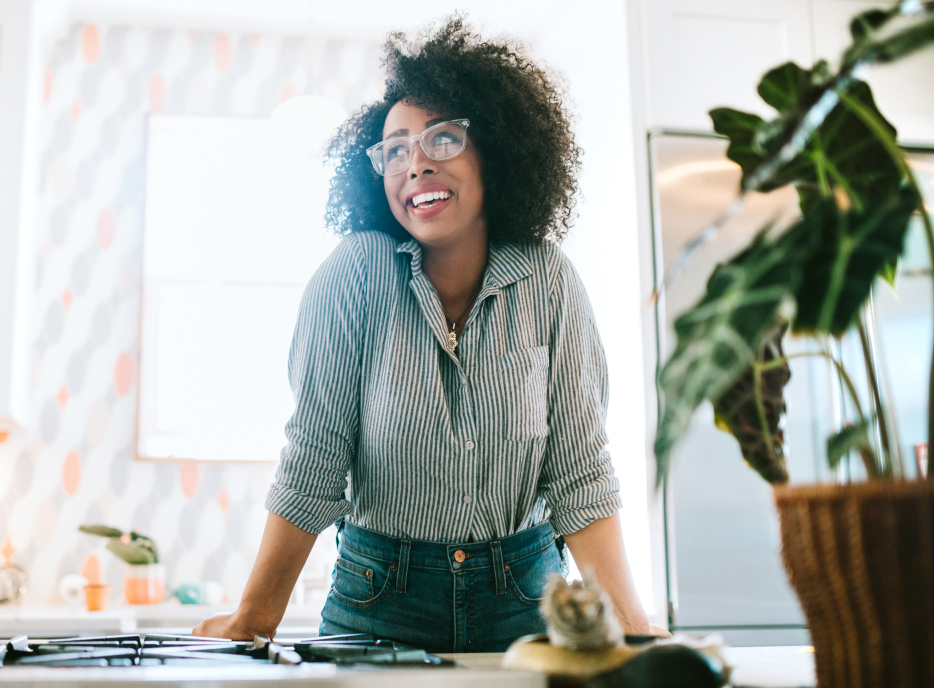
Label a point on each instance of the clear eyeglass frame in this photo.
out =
(376, 152)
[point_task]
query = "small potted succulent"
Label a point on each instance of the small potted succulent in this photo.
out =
(145, 576)
(859, 555)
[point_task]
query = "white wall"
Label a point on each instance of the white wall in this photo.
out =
(587, 42)
(18, 98)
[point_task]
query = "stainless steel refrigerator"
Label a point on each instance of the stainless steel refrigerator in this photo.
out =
(724, 570)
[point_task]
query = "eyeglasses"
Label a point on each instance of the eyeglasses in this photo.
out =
(440, 142)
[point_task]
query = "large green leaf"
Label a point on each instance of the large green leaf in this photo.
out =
(873, 42)
(740, 128)
(853, 247)
(788, 88)
(841, 152)
(852, 437)
(719, 338)
(738, 412)
(865, 23)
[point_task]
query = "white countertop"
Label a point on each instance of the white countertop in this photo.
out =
(318, 675)
(772, 667)
(754, 667)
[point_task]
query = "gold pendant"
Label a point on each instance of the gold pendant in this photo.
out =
(452, 338)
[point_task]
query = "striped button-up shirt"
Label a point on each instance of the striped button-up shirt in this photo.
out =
(505, 435)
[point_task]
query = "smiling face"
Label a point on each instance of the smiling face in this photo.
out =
(440, 203)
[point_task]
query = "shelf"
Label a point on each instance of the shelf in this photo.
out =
(50, 622)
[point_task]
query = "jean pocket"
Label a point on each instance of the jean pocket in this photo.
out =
(528, 577)
(523, 385)
(360, 581)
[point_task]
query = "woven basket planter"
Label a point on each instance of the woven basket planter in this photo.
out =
(861, 559)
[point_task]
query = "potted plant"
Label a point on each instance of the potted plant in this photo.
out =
(144, 582)
(861, 555)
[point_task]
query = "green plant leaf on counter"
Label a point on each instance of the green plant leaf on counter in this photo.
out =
(132, 547)
(103, 531)
(132, 554)
(137, 540)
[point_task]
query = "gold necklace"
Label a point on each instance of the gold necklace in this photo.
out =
(452, 335)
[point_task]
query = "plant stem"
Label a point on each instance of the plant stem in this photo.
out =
(837, 276)
(841, 371)
(891, 146)
(888, 467)
(872, 470)
(820, 162)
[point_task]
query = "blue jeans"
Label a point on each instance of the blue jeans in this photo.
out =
(469, 597)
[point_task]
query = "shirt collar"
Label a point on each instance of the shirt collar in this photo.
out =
(506, 263)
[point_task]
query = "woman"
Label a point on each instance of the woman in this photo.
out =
(446, 356)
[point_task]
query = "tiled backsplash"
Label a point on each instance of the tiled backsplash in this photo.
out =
(76, 462)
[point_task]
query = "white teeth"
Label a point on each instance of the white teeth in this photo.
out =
(431, 196)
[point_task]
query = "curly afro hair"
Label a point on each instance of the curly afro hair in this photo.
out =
(517, 122)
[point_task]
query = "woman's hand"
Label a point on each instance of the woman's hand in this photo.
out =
(282, 554)
(648, 629)
(229, 626)
(600, 547)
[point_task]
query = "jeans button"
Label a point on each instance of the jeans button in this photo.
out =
(459, 556)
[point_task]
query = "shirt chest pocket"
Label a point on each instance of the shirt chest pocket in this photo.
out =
(522, 385)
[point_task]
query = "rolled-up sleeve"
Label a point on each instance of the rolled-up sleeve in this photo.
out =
(577, 479)
(324, 372)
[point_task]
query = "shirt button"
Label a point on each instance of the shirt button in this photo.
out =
(466, 499)
(468, 445)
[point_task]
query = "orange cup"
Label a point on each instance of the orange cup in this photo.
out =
(95, 595)
(144, 584)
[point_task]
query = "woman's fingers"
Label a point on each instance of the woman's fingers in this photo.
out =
(217, 626)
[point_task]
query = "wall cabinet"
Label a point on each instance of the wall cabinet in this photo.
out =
(709, 53)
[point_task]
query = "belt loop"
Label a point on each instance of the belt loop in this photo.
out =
(337, 533)
(403, 571)
(499, 569)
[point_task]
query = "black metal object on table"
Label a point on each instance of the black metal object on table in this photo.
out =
(360, 648)
(157, 649)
